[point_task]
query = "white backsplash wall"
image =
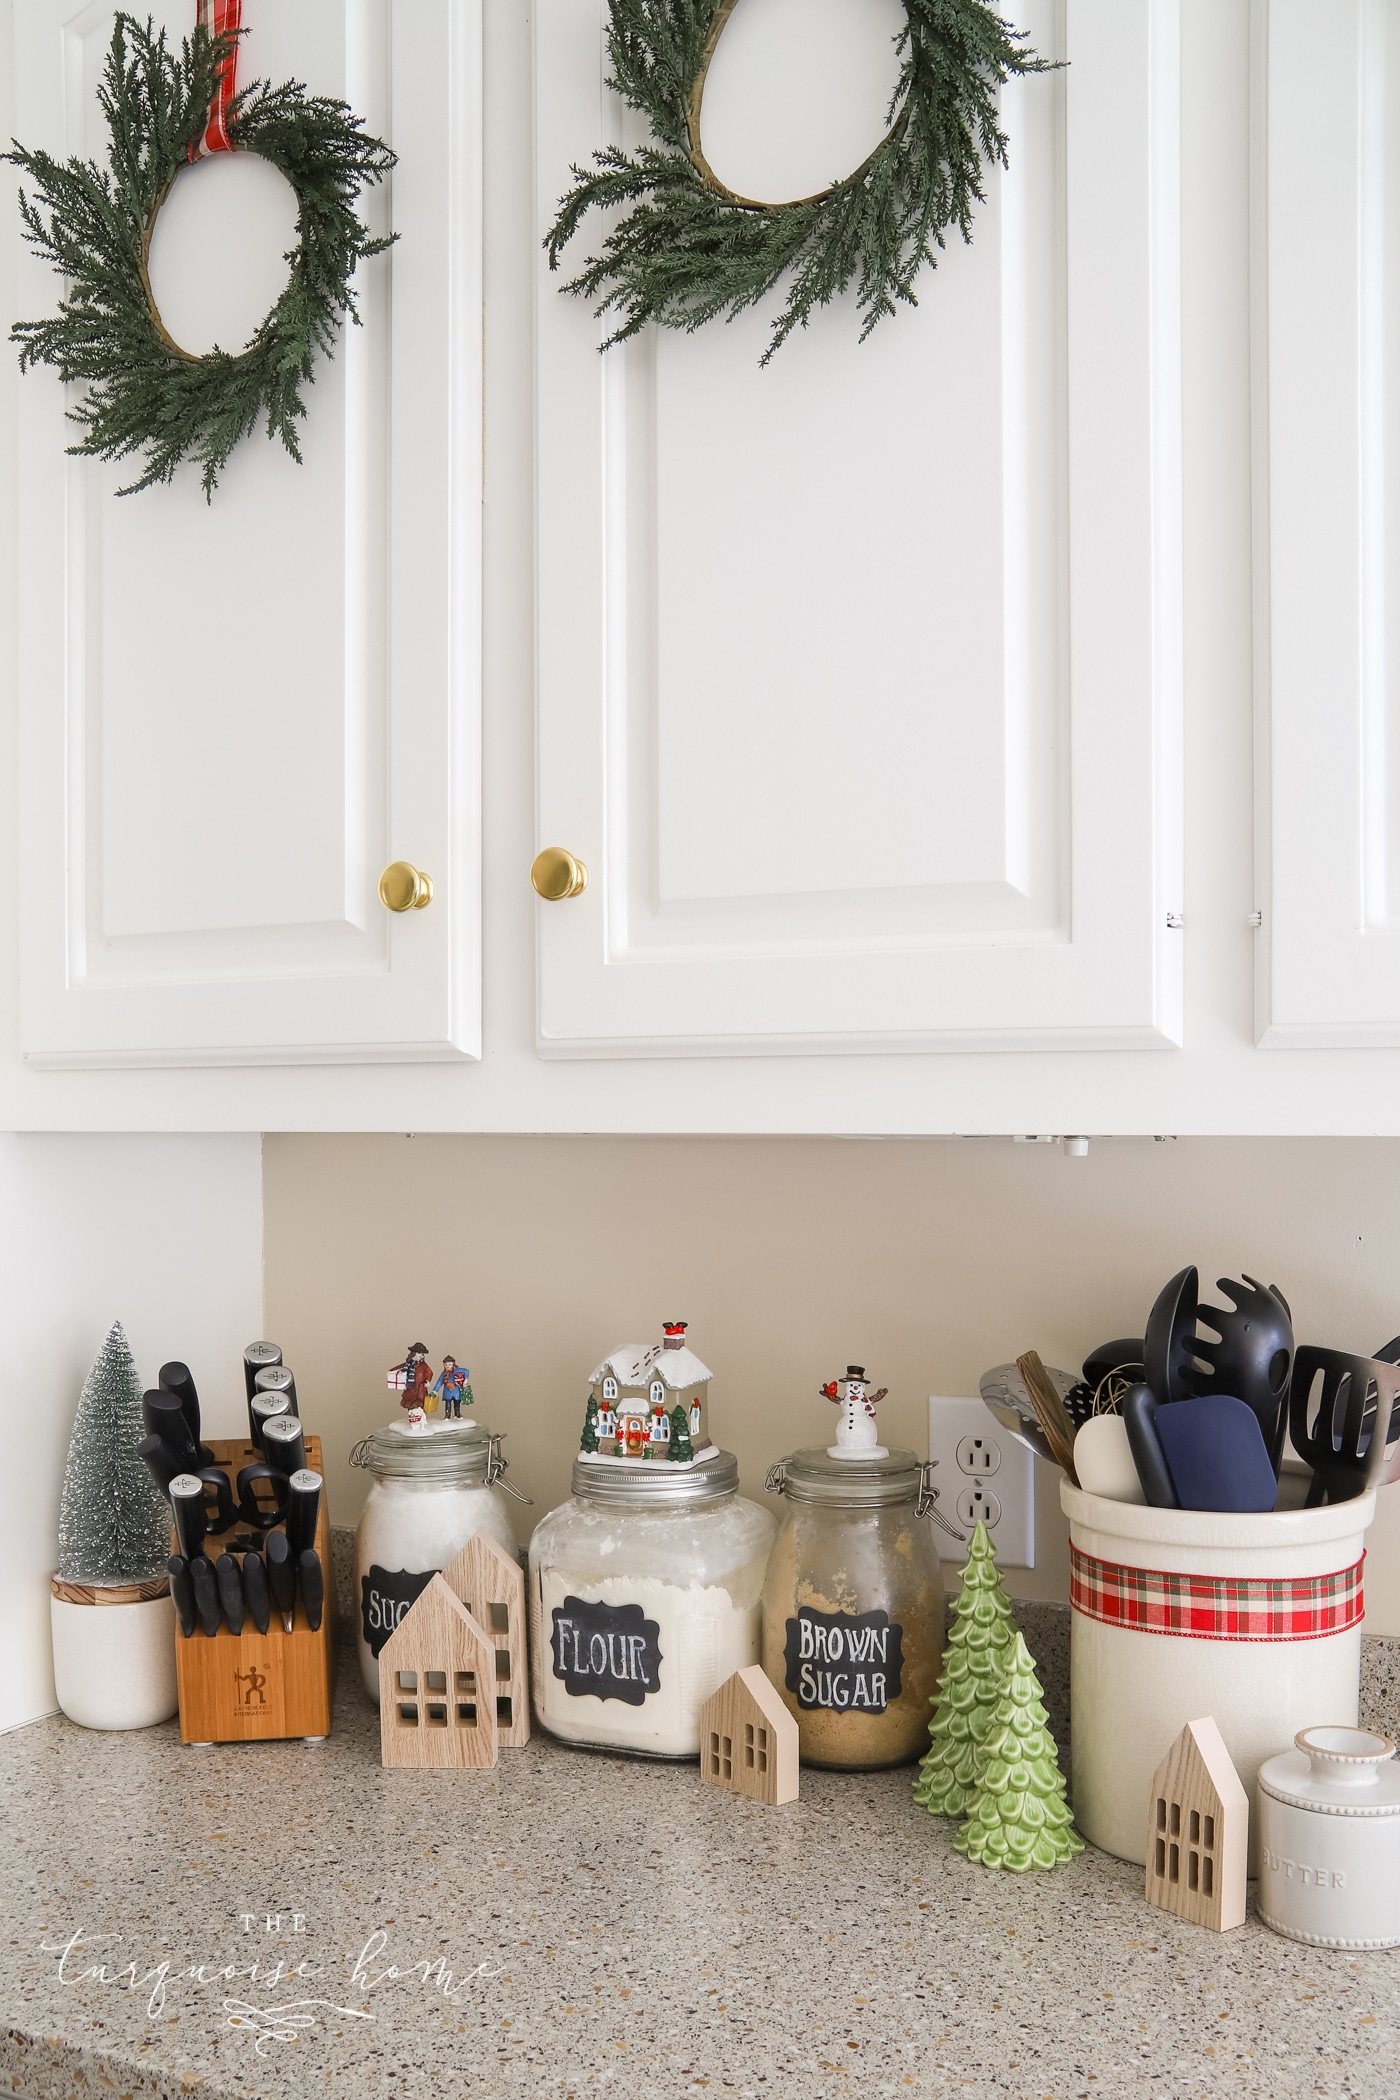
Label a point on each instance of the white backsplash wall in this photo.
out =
(161, 1233)
(925, 1259)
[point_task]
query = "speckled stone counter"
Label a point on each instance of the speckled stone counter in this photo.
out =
(569, 1924)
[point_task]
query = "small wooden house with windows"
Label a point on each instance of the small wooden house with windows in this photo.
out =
(647, 1401)
(1198, 1831)
(437, 1687)
(491, 1584)
(748, 1739)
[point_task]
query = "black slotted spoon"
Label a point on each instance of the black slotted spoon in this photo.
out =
(1254, 1354)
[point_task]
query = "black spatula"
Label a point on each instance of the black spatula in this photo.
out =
(1339, 1410)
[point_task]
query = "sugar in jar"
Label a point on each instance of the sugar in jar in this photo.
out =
(853, 1606)
(436, 1484)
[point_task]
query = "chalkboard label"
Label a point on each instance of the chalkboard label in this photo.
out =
(384, 1598)
(606, 1651)
(842, 1661)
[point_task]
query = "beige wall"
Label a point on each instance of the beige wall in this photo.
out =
(926, 1259)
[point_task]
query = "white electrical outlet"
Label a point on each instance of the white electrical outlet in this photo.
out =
(981, 1473)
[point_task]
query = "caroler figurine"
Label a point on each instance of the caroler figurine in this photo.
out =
(646, 1401)
(412, 1379)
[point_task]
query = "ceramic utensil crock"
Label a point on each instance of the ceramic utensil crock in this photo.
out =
(1253, 1617)
(1329, 1840)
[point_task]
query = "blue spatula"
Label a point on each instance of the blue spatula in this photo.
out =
(1216, 1454)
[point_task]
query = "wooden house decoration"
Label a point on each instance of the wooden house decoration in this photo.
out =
(748, 1739)
(491, 1584)
(646, 1400)
(437, 1680)
(1198, 1831)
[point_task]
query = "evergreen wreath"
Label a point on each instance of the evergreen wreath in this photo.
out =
(95, 224)
(690, 250)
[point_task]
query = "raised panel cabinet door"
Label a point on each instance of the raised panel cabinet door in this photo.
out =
(235, 714)
(860, 673)
(1327, 509)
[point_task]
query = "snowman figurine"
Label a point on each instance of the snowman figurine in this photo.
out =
(856, 1434)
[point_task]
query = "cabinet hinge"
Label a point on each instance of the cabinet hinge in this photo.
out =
(1256, 918)
(1175, 921)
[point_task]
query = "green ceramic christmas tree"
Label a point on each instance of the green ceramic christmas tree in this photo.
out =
(974, 1674)
(1019, 1819)
(680, 1447)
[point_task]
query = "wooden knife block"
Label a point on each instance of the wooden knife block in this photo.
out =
(257, 1687)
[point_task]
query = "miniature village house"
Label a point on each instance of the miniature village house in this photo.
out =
(491, 1584)
(1198, 1831)
(647, 1401)
(437, 1686)
(748, 1739)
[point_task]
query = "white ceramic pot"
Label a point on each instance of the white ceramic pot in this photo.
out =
(114, 1664)
(1329, 1840)
(1133, 1690)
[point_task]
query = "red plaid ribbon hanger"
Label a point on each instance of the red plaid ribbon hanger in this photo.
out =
(220, 18)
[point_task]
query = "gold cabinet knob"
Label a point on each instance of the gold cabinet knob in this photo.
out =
(556, 874)
(402, 887)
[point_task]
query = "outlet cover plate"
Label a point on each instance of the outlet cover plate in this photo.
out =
(981, 1469)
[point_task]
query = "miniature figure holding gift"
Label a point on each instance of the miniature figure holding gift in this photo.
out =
(453, 1384)
(412, 1379)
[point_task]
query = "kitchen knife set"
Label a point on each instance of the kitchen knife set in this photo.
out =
(265, 1571)
(1182, 1419)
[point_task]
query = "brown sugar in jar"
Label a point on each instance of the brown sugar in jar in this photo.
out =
(853, 1608)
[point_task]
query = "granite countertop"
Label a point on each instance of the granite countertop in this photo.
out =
(568, 1924)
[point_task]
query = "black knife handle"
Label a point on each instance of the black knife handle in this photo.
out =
(284, 1445)
(163, 1462)
(1138, 1408)
(313, 1588)
(206, 1594)
(262, 1409)
(258, 1356)
(281, 1574)
(175, 1378)
(187, 1509)
(165, 1417)
(255, 1591)
(277, 1378)
(230, 1580)
(250, 1510)
(303, 1508)
(182, 1592)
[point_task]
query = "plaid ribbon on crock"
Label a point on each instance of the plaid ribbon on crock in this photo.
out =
(1216, 1607)
(219, 17)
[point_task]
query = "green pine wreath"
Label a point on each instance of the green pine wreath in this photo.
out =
(143, 393)
(689, 250)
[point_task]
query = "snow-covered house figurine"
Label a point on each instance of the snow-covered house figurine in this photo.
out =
(856, 1434)
(646, 1400)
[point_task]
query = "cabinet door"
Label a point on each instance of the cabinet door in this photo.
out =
(235, 714)
(1327, 468)
(859, 675)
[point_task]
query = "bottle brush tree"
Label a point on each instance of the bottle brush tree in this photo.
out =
(1018, 1818)
(589, 1440)
(113, 1522)
(974, 1673)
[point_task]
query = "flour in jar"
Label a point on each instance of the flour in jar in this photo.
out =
(657, 1650)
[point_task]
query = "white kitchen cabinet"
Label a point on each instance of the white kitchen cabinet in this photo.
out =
(859, 676)
(234, 715)
(1327, 469)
